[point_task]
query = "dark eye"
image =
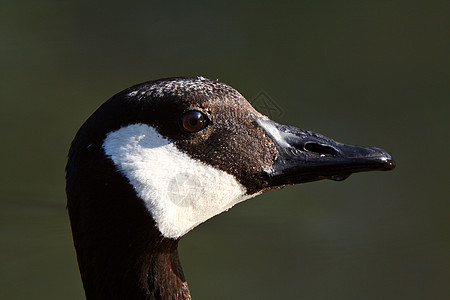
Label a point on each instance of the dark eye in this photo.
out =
(194, 121)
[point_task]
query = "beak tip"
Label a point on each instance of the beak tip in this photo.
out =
(386, 159)
(390, 164)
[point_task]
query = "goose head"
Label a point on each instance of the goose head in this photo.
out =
(161, 157)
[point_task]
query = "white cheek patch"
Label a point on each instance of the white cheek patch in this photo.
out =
(179, 191)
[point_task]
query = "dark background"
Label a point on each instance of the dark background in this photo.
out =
(373, 73)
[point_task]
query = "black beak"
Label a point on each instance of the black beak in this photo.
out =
(305, 156)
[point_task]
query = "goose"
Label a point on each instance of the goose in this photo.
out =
(161, 157)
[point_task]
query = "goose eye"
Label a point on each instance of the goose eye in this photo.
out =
(194, 121)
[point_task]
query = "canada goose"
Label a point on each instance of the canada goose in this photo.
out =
(126, 208)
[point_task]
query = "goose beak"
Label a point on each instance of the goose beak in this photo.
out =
(305, 156)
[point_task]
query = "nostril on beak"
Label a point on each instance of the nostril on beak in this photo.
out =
(320, 149)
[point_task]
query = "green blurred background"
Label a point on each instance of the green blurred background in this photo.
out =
(373, 73)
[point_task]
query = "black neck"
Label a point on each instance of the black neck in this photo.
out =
(139, 273)
(121, 253)
(165, 278)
